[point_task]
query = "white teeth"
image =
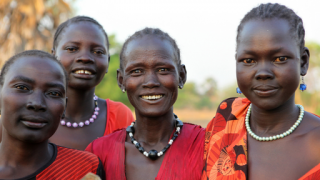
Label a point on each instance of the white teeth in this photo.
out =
(152, 97)
(83, 72)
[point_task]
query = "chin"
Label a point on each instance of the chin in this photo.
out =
(153, 112)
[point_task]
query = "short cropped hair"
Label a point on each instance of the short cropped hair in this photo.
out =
(277, 11)
(154, 32)
(35, 53)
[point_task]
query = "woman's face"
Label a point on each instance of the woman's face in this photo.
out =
(82, 49)
(269, 63)
(32, 99)
(151, 75)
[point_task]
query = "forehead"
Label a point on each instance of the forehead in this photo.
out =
(83, 32)
(147, 46)
(40, 69)
(270, 32)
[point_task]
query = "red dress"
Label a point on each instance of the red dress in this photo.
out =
(226, 145)
(118, 116)
(183, 160)
(68, 164)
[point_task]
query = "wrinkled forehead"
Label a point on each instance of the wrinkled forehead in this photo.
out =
(39, 69)
(149, 44)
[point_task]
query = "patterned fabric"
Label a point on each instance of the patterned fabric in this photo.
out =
(68, 164)
(118, 116)
(226, 144)
(183, 160)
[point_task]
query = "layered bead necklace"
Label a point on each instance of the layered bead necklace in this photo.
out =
(86, 122)
(275, 137)
(154, 154)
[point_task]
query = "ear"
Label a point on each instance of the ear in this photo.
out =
(120, 79)
(304, 61)
(182, 75)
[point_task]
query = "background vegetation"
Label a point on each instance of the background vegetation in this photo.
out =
(30, 24)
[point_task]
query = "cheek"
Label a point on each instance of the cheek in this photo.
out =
(244, 77)
(288, 78)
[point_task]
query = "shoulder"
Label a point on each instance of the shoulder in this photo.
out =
(117, 106)
(75, 155)
(105, 142)
(229, 109)
(63, 167)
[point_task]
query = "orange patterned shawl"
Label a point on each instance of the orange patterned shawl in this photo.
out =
(226, 144)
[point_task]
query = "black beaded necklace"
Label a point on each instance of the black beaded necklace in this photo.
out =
(154, 154)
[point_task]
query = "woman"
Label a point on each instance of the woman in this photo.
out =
(82, 45)
(266, 135)
(158, 145)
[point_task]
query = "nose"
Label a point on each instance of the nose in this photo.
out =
(36, 102)
(85, 58)
(264, 71)
(151, 80)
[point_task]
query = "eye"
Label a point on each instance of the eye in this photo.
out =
(136, 71)
(163, 69)
(99, 52)
(71, 49)
(281, 59)
(248, 61)
(54, 94)
(22, 87)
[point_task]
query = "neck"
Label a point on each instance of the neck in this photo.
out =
(275, 121)
(16, 153)
(80, 104)
(153, 130)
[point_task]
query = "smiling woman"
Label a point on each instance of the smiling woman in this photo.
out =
(158, 145)
(81, 45)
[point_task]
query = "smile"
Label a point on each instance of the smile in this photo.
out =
(152, 97)
(83, 72)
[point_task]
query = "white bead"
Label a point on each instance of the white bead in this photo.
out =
(278, 136)
(267, 138)
(132, 123)
(145, 153)
(135, 142)
(130, 134)
(170, 142)
(161, 153)
(274, 137)
(178, 129)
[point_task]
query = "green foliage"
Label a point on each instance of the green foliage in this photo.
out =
(108, 88)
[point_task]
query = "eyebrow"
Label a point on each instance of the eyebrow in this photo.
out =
(31, 81)
(77, 43)
(55, 85)
(273, 51)
(23, 78)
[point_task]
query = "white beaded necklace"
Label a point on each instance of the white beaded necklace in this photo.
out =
(271, 138)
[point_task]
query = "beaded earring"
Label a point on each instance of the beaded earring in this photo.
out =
(180, 87)
(238, 90)
(123, 90)
(303, 86)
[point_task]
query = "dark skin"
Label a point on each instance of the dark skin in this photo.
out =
(82, 46)
(269, 65)
(33, 98)
(150, 68)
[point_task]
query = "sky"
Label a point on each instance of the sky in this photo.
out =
(205, 30)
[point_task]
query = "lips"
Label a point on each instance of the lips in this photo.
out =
(152, 97)
(265, 91)
(34, 122)
(83, 73)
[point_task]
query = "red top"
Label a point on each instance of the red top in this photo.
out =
(118, 116)
(226, 148)
(183, 160)
(68, 164)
